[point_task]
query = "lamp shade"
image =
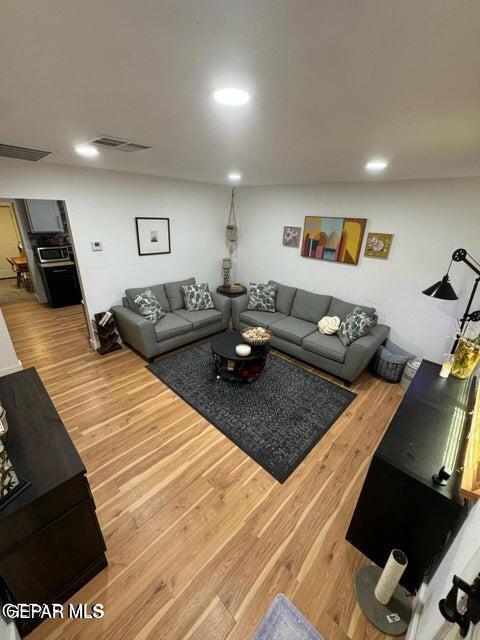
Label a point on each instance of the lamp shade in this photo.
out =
(442, 290)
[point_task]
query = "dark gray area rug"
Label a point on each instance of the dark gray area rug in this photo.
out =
(276, 420)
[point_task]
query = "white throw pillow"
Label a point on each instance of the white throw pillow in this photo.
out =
(329, 325)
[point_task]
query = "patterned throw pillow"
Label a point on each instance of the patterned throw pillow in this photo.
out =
(356, 324)
(149, 307)
(261, 297)
(197, 297)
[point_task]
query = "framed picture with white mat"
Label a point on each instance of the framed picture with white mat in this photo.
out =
(153, 235)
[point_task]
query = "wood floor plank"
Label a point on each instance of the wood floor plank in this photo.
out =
(200, 539)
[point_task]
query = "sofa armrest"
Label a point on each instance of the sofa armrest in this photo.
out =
(135, 330)
(360, 352)
(222, 304)
(239, 305)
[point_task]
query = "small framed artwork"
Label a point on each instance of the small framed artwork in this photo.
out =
(153, 235)
(378, 245)
(291, 236)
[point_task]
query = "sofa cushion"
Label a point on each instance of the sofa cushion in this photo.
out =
(158, 291)
(174, 293)
(261, 297)
(293, 329)
(341, 308)
(171, 325)
(201, 318)
(197, 297)
(260, 318)
(310, 306)
(330, 347)
(284, 298)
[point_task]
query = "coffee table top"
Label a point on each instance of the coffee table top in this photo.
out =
(223, 344)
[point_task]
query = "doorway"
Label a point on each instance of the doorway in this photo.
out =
(38, 239)
(15, 281)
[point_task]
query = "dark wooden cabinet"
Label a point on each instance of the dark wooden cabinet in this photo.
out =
(50, 540)
(400, 506)
(62, 285)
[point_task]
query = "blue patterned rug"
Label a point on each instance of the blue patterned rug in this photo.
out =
(276, 420)
(285, 622)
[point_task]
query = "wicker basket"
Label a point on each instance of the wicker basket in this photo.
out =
(257, 342)
(389, 361)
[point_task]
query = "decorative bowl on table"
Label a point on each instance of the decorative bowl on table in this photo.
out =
(256, 336)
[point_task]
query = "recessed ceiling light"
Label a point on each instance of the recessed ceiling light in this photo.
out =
(376, 166)
(234, 177)
(231, 96)
(87, 150)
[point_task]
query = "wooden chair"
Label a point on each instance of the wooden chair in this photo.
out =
(27, 280)
(17, 272)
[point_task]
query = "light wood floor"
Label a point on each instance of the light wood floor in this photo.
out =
(200, 538)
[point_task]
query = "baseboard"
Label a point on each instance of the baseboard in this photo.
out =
(11, 369)
(417, 609)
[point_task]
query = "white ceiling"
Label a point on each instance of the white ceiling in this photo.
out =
(333, 83)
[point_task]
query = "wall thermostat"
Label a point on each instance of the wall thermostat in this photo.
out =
(97, 246)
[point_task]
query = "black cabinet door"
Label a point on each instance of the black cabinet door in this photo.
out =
(63, 286)
(47, 562)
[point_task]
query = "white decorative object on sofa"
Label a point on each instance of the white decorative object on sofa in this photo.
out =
(329, 325)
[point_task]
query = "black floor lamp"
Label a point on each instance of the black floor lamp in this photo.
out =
(444, 290)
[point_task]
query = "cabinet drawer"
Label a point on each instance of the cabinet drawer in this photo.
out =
(22, 524)
(54, 557)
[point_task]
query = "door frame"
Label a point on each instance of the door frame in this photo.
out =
(13, 215)
(26, 242)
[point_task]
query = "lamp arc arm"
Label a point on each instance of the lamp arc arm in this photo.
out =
(462, 255)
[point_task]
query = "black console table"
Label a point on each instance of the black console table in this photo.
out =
(400, 506)
(50, 540)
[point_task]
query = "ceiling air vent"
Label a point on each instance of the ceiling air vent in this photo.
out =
(107, 142)
(22, 153)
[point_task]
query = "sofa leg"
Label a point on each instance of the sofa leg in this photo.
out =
(347, 383)
(152, 359)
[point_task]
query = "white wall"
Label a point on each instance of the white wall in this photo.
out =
(8, 358)
(429, 219)
(8, 630)
(462, 559)
(102, 205)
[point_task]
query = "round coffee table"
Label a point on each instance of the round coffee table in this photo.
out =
(232, 367)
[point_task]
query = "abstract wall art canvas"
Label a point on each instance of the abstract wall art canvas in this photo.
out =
(378, 245)
(333, 239)
(291, 236)
(153, 235)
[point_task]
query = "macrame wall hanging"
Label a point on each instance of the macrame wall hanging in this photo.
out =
(232, 230)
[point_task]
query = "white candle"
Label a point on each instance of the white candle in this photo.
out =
(243, 349)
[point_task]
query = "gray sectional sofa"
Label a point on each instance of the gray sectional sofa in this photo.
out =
(177, 327)
(295, 331)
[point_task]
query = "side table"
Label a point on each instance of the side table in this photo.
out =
(232, 291)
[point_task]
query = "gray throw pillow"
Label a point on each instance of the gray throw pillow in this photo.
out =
(261, 297)
(149, 307)
(197, 297)
(356, 324)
